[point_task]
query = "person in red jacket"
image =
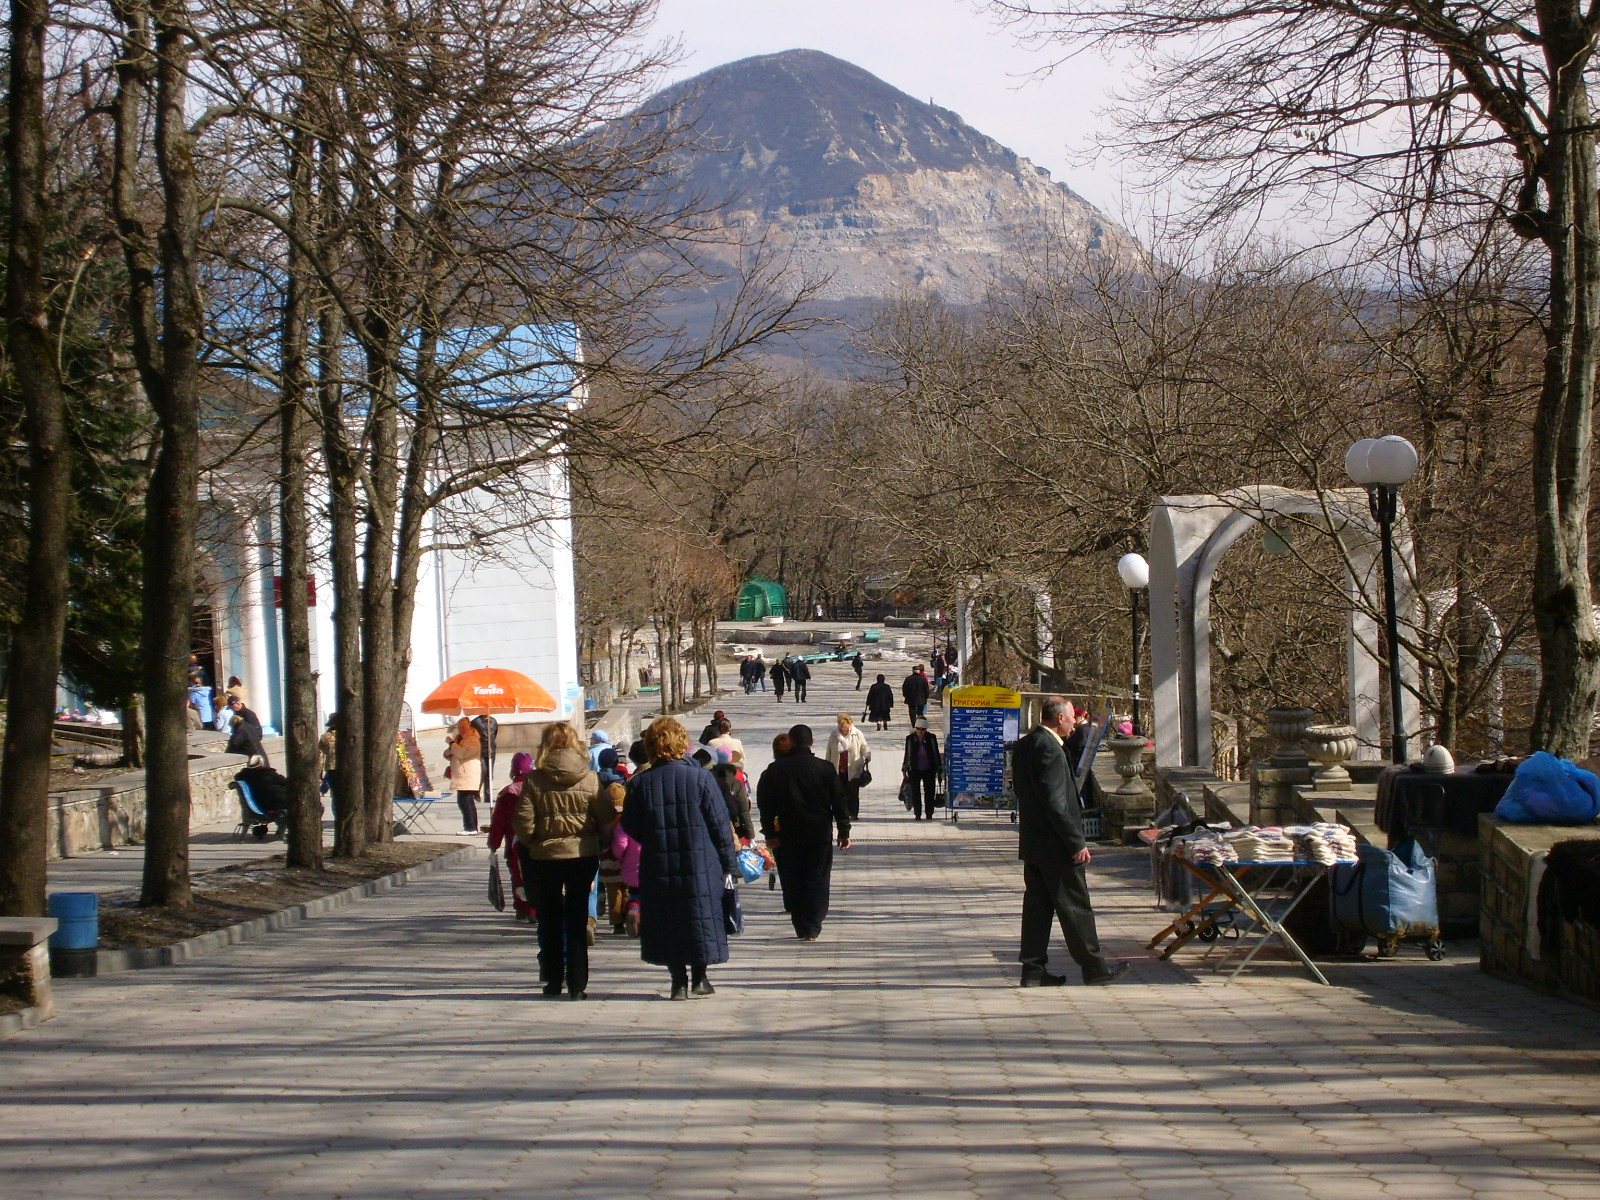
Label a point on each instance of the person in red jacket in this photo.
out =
(502, 832)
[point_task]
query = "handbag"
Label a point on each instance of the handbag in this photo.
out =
(908, 791)
(732, 913)
(863, 779)
(497, 889)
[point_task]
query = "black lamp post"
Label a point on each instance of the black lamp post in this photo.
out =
(1135, 575)
(1382, 465)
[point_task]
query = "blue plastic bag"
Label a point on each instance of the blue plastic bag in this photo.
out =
(1547, 790)
(1385, 893)
(751, 865)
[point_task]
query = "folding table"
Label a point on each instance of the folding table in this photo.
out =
(412, 811)
(1273, 891)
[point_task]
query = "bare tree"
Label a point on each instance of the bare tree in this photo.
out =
(1483, 110)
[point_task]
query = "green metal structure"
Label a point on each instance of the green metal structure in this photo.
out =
(760, 598)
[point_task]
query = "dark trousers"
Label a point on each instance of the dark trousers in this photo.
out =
(561, 894)
(917, 710)
(800, 690)
(858, 681)
(805, 868)
(852, 798)
(467, 802)
(923, 786)
(1060, 892)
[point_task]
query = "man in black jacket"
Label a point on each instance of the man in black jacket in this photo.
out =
(915, 690)
(799, 677)
(1054, 853)
(802, 800)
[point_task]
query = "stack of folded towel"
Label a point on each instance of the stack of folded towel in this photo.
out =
(1324, 842)
(1262, 844)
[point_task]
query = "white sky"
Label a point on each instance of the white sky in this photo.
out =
(941, 50)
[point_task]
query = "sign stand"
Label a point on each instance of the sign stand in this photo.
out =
(983, 723)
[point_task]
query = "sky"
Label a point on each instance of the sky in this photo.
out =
(940, 50)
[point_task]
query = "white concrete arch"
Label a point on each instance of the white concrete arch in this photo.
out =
(1438, 605)
(1189, 535)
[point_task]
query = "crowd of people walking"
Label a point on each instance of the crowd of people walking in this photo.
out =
(652, 842)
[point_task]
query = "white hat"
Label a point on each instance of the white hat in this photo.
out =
(922, 722)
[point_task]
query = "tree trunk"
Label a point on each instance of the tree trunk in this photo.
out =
(300, 702)
(133, 735)
(36, 639)
(173, 498)
(1569, 649)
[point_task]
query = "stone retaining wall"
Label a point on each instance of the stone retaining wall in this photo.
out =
(1509, 948)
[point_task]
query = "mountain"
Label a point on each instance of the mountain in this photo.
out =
(858, 180)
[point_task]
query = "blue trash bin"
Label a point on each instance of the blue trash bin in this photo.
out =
(74, 943)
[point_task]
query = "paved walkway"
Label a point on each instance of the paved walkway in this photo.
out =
(398, 1049)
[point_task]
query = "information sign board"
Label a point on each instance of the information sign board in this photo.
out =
(983, 721)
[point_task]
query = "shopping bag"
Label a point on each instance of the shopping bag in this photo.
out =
(497, 889)
(751, 865)
(732, 913)
(908, 792)
(1385, 893)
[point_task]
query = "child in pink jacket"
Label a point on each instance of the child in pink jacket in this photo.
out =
(626, 852)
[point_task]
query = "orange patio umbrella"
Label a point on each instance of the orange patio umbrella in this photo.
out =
(488, 690)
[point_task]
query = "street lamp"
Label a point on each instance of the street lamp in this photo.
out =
(1135, 575)
(1381, 465)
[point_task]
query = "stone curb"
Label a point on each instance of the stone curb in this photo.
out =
(112, 962)
(16, 1022)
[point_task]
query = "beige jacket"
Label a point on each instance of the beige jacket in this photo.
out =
(855, 744)
(562, 809)
(466, 771)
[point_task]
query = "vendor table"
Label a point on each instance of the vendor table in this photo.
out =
(1264, 894)
(412, 811)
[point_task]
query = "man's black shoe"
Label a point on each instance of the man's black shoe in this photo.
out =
(1042, 979)
(552, 990)
(680, 991)
(1117, 971)
(702, 987)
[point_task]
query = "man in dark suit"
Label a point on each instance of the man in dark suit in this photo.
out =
(799, 678)
(915, 690)
(802, 801)
(1054, 853)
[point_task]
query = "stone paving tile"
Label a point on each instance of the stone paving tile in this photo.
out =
(399, 1048)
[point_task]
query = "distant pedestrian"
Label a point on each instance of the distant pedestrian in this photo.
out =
(858, 667)
(1054, 853)
(625, 852)
(849, 752)
(560, 818)
(503, 834)
(747, 676)
(245, 735)
(780, 679)
(710, 731)
(726, 741)
(921, 767)
(235, 691)
(599, 743)
(613, 886)
(677, 813)
(328, 760)
(758, 670)
(915, 690)
(736, 793)
(800, 677)
(802, 803)
(463, 750)
(880, 703)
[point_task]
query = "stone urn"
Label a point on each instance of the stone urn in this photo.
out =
(1129, 753)
(1288, 726)
(1331, 746)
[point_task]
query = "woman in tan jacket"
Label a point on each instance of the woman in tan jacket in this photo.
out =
(559, 822)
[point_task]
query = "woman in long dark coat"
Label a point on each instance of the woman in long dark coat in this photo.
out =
(676, 812)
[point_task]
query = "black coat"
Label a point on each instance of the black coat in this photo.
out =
(737, 797)
(268, 788)
(880, 701)
(915, 689)
(676, 812)
(935, 759)
(1049, 831)
(780, 676)
(246, 735)
(801, 799)
(799, 672)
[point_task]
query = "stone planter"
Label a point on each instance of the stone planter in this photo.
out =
(1331, 746)
(1288, 726)
(1130, 765)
